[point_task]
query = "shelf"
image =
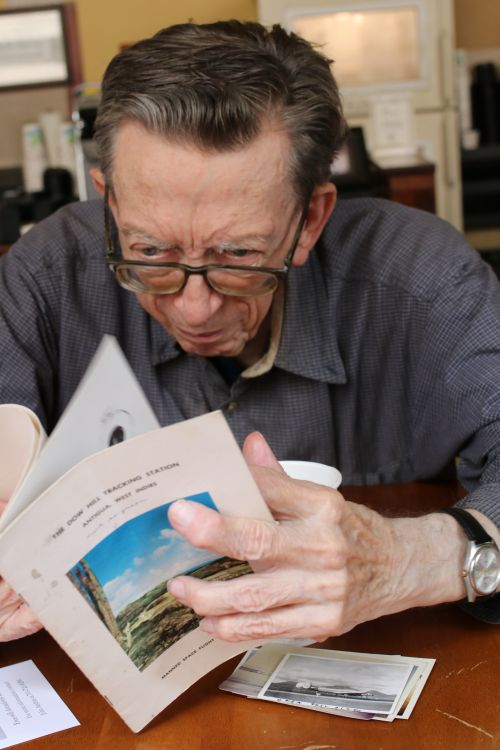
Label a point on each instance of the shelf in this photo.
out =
(481, 187)
(481, 154)
(486, 220)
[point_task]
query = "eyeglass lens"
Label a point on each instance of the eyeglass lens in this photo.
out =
(150, 280)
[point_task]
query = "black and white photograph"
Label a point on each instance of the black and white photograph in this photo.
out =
(337, 683)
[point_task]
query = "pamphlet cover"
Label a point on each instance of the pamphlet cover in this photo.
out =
(93, 553)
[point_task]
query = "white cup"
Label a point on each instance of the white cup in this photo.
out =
(313, 472)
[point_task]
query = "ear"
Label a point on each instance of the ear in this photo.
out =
(321, 207)
(98, 180)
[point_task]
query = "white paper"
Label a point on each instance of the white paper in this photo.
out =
(393, 127)
(21, 439)
(108, 398)
(29, 705)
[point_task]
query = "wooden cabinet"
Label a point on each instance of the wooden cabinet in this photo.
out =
(412, 184)
(410, 181)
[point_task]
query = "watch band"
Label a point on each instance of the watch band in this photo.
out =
(475, 532)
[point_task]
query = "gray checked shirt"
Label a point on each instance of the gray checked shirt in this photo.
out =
(388, 366)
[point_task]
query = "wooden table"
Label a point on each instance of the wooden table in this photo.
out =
(459, 707)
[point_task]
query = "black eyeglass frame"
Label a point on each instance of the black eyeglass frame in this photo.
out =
(279, 273)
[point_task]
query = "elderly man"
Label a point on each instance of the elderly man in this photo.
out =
(363, 334)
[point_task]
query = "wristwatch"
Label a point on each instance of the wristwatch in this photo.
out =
(481, 571)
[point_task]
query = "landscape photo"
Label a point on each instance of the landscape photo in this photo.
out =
(124, 580)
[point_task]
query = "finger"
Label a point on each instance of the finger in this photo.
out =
(260, 591)
(257, 451)
(22, 622)
(310, 621)
(240, 538)
(315, 544)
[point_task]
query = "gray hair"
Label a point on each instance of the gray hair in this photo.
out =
(217, 86)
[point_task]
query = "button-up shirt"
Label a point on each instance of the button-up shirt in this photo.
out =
(388, 363)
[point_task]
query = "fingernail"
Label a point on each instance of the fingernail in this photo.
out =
(181, 512)
(207, 625)
(176, 588)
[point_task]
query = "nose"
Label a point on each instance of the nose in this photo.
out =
(198, 302)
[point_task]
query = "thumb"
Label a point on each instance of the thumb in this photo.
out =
(257, 451)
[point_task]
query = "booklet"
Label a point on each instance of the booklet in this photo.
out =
(108, 407)
(85, 538)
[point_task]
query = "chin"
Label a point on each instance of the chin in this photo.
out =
(225, 349)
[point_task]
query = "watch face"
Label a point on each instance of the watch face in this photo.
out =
(485, 569)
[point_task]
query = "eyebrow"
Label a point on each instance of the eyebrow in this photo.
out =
(142, 236)
(235, 244)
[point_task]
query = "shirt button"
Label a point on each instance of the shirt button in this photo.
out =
(232, 406)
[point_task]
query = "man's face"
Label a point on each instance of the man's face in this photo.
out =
(173, 202)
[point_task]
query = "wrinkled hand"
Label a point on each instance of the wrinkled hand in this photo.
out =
(325, 567)
(16, 619)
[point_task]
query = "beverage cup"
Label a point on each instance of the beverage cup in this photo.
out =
(313, 472)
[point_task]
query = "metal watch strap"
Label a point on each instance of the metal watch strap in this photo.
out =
(475, 532)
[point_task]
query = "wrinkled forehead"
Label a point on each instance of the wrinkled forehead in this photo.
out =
(148, 166)
(182, 193)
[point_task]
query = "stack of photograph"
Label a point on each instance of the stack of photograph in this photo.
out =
(360, 686)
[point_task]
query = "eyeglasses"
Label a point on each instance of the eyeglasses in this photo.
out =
(169, 278)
